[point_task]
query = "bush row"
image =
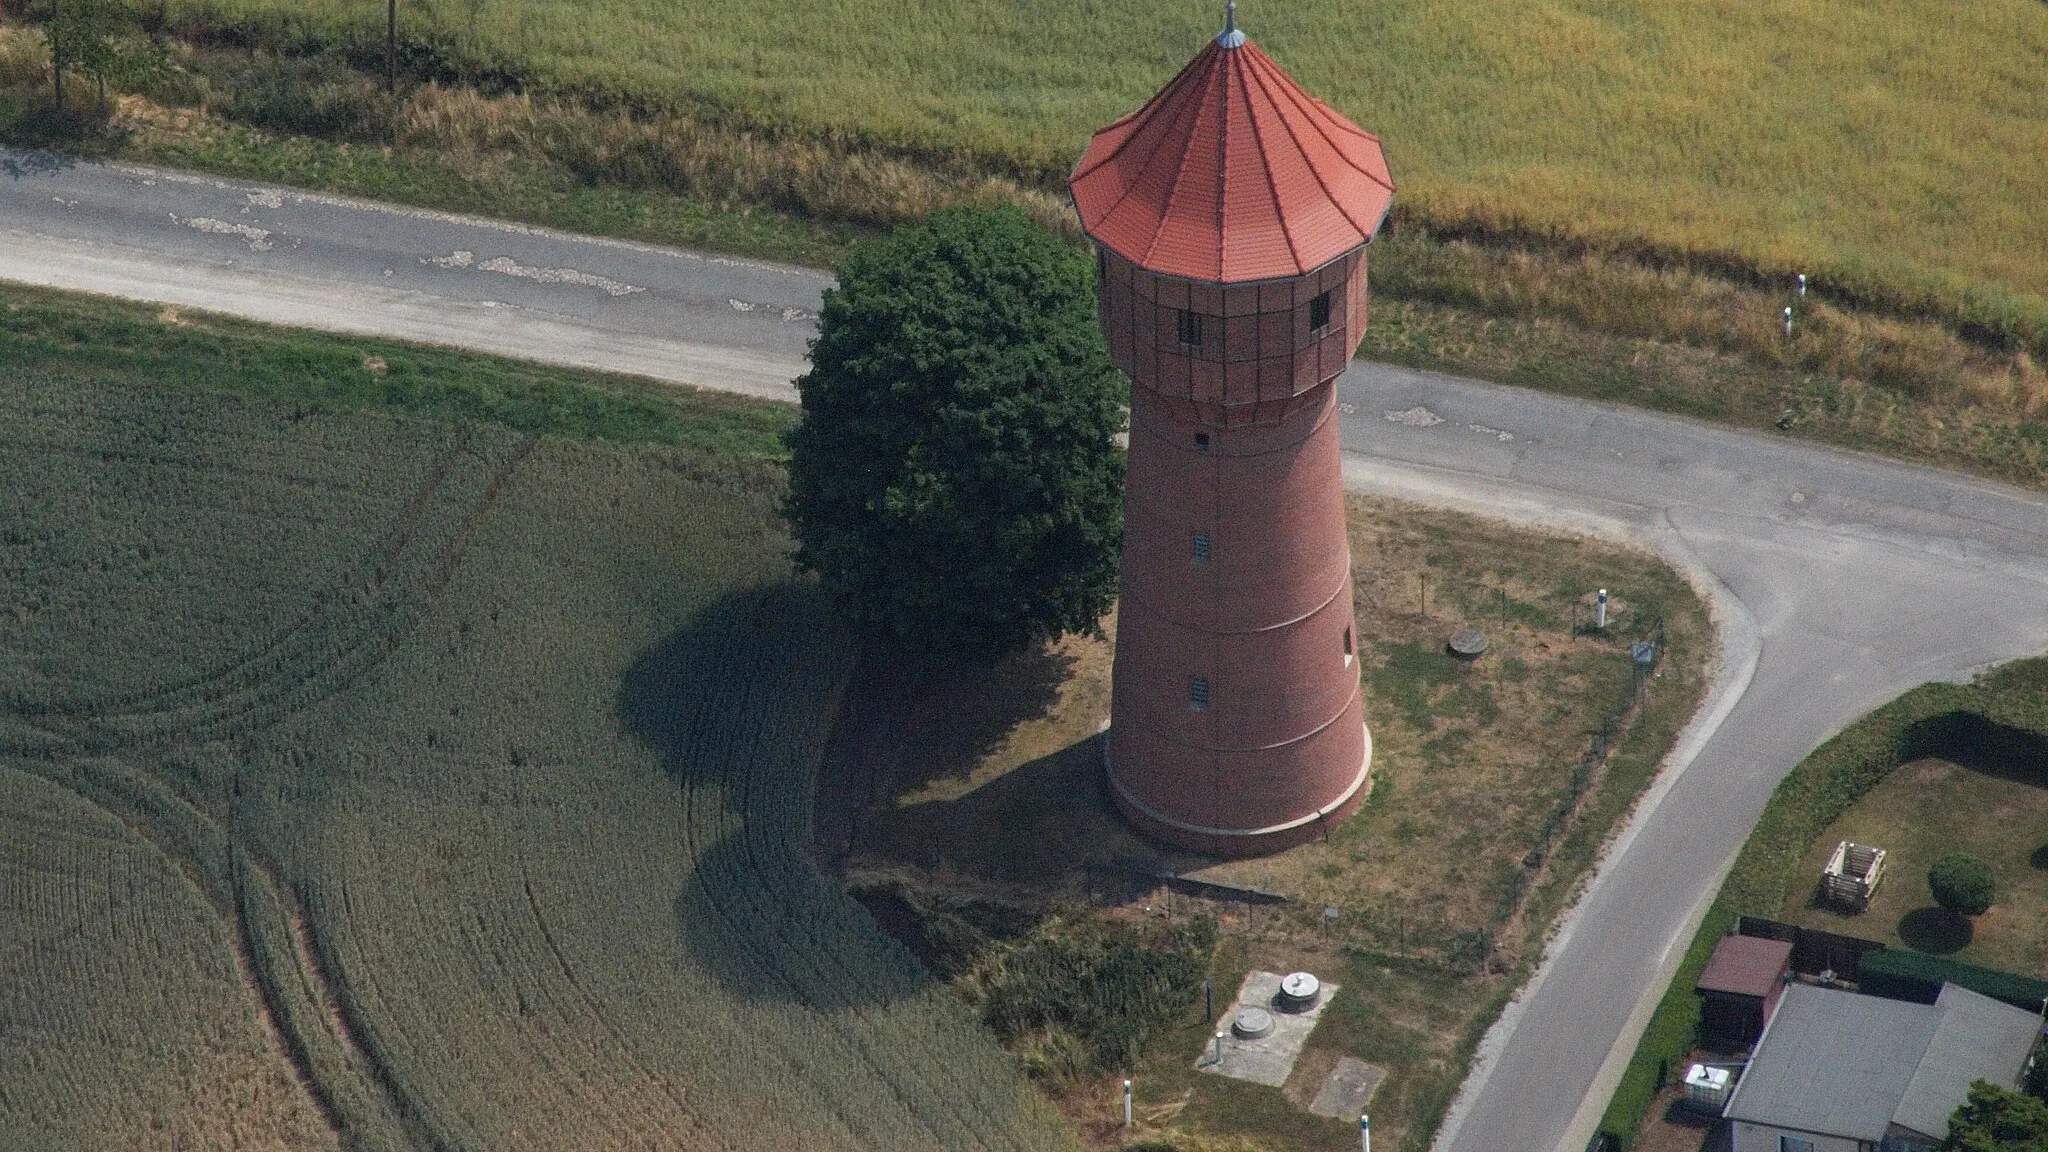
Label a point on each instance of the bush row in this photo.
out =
(1916, 976)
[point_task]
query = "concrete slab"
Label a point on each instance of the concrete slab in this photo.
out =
(1348, 1089)
(1269, 1058)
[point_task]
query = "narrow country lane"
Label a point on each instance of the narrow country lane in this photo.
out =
(1838, 580)
(344, 265)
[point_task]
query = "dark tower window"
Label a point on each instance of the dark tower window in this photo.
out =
(1318, 312)
(1201, 441)
(1198, 693)
(1191, 328)
(1201, 547)
(1347, 647)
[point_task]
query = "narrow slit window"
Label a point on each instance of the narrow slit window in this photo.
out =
(1319, 312)
(1201, 441)
(1347, 648)
(1198, 693)
(1202, 552)
(1191, 328)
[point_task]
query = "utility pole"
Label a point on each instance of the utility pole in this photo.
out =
(391, 46)
(57, 50)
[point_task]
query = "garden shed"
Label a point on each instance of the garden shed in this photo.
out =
(1740, 988)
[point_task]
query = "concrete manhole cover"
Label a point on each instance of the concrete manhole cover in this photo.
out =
(1468, 642)
(1298, 992)
(1252, 1024)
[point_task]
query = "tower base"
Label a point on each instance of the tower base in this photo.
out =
(1236, 842)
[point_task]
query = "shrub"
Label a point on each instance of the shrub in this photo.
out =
(1962, 883)
(956, 478)
(1096, 984)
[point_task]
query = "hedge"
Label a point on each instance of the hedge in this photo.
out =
(1916, 976)
(2003, 713)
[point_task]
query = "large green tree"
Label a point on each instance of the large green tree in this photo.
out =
(956, 475)
(1995, 1120)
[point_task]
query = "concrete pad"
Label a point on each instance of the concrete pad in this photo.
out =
(1268, 1059)
(1348, 1089)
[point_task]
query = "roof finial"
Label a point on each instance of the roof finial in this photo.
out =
(1231, 37)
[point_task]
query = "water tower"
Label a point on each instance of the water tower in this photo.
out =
(1231, 216)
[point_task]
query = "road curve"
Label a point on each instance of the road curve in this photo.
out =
(1837, 580)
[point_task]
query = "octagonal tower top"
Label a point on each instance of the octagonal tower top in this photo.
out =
(1232, 173)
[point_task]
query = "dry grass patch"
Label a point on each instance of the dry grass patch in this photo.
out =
(1471, 763)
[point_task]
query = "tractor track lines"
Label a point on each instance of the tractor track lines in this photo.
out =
(321, 654)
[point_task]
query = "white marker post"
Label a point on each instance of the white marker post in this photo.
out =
(1788, 320)
(1127, 1103)
(1600, 610)
(1365, 1132)
(1802, 285)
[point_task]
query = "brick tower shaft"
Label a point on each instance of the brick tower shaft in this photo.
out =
(1231, 216)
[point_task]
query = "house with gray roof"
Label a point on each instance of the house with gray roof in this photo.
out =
(1843, 1072)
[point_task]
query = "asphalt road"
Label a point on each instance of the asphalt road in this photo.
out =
(1837, 580)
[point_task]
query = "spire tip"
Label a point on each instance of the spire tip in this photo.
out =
(1231, 37)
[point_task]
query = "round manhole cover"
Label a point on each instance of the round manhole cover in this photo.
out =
(1298, 992)
(1468, 642)
(1252, 1024)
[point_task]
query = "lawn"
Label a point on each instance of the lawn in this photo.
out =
(406, 750)
(995, 796)
(1917, 814)
(1900, 147)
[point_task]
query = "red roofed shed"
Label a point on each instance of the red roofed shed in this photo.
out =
(1741, 986)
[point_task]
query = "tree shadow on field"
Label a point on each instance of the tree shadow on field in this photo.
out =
(909, 721)
(1935, 931)
(734, 703)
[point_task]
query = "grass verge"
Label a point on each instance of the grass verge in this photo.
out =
(1768, 875)
(66, 334)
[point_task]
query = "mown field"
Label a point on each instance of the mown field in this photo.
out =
(378, 775)
(1898, 147)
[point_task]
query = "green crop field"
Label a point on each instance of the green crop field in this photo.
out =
(1899, 147)
(380, 779)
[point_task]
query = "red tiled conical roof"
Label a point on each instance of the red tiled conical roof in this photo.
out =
(1232, 173)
